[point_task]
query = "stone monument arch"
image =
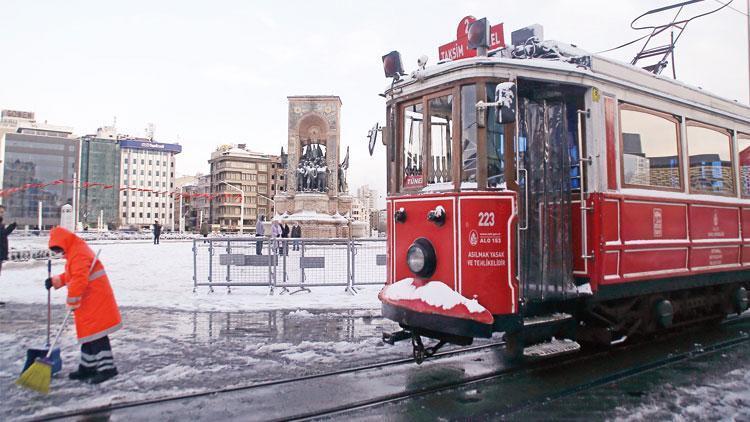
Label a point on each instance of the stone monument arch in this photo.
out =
(313, 197)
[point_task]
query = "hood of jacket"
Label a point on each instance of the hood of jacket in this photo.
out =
(62, 238)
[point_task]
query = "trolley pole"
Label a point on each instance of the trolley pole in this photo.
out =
(748, 50)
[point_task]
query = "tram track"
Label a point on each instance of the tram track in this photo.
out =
(249, 388)
(356, 391)
(506, 409)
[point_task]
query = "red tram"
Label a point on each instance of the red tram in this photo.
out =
(559, 197)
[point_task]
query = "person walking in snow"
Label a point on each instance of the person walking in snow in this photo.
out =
(92, 301)
(157, 232)
(259, 232)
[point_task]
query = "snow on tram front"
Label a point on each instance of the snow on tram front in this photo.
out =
(499, 217)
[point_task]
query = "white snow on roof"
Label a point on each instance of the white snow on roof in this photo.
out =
(433, 293)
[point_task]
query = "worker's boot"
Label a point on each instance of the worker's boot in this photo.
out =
(82, 373)
(102, 376)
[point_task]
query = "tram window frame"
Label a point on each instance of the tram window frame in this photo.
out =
(745, 136)
(677, 121)
(722, 131)
(428, 132)
(400, 152)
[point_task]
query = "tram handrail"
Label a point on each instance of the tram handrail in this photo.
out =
(584, 204)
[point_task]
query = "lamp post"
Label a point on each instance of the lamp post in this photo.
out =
(242, 204)
(272, 202)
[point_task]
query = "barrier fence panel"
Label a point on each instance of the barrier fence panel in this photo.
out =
(291, 265)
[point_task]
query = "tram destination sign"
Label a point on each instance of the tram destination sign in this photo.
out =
(459, 49)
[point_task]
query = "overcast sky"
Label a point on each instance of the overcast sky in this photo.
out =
(209, 73)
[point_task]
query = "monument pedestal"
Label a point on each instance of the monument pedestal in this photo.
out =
(319, 215)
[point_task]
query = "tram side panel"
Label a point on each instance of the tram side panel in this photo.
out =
(644, 239)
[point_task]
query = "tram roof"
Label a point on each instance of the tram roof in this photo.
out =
(603, 69)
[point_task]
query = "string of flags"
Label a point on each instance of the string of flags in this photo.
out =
(88, 185)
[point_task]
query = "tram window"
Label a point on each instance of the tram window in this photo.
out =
(413, 118)
(495, 144)
(649, 148)
(710, 160)
(743, 146)
(441, 135)
(468, 133)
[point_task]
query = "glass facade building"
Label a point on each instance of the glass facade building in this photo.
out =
(38, 157)
(100, 164)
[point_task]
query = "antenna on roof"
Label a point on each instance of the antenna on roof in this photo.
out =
(676, 27)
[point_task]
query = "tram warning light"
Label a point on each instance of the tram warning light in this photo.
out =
(479, 34)
(392, 65)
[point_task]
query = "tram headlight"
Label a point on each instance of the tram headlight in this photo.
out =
(421, 259)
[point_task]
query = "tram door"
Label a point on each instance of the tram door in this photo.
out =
(544, 163)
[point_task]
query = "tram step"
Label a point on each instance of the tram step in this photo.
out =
(555, 318)
(555, 347)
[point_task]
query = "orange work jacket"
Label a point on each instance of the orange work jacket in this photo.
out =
(98, 314)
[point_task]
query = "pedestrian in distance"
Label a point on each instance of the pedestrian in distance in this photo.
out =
(276, 234)
(5, 231)
(204, 231)
(285, 235)
(157, 232)
(92, 301)
(259, 232)
(296, 234)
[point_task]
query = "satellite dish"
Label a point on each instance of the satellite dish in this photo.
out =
(373, 135)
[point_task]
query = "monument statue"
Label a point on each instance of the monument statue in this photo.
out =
(317, 195)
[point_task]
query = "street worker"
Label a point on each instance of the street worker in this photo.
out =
(92, 301)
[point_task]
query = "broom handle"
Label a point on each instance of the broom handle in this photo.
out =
(49, 300)
(67, 314)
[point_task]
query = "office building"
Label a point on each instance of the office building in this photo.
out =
(42, 160)
(258, 176)
(100, 179)
(148, 173)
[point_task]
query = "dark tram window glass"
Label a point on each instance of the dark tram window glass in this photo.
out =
(710, 154)
(649, 148)
(495, 144)
(441, 135)
(743, 147)
(468, 133)
(413, 118)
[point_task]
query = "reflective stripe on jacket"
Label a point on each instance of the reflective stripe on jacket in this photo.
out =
(98, 314)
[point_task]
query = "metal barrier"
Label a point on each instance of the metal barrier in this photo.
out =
(288, 263)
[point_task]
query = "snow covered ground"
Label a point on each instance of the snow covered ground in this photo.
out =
(161, 276)
(176, 341)
(167, 352)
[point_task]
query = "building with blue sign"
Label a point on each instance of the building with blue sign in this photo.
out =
(147, 172)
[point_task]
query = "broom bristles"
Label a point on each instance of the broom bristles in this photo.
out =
(37, 377)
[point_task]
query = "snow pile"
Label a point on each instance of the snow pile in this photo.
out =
(433, 293)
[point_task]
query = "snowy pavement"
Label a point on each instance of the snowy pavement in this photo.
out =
(161, 276)
(166, 352)
(177, 341)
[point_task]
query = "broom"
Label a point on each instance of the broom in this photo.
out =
(39, 374)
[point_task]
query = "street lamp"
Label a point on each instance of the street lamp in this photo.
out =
(272, 201)
(242, 204)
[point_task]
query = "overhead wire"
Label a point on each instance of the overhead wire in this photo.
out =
(685, 22)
